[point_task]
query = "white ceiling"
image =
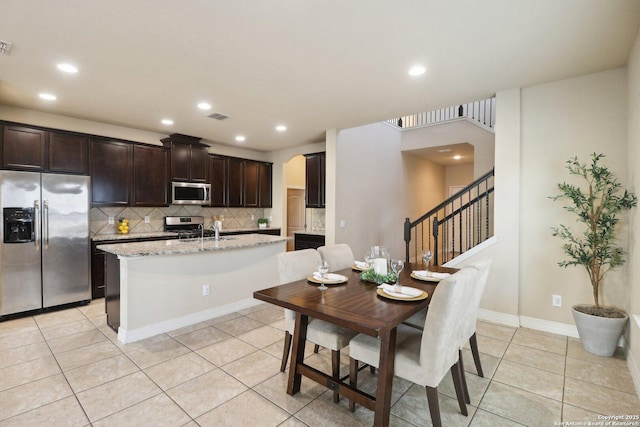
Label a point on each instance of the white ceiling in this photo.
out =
(312, 65)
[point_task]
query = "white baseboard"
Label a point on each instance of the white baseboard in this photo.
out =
(549, 326)
(132, 335)
(634, 369)
(515, 321)
(499, 318)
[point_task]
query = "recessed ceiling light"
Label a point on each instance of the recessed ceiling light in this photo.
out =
(167, 122)
(457, 157)
(281, 128)
(47, 97)
(204, 106)
(417, 70)
(240, 138)
(68, 68)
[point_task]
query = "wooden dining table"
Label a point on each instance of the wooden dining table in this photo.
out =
(355, 305)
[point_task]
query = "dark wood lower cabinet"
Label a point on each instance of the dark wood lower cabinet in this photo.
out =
(112, 290)
(307, 241)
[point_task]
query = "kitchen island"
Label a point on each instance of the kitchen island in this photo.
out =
(158, 286)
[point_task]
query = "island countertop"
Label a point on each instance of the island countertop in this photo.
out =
(189, 246)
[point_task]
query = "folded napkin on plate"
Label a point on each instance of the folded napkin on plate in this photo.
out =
(432, 274)
(331, 277)
(405, 291)
(361, 264)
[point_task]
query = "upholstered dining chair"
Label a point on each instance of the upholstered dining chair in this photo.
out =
(297, 265)
(339, 256)
(424, 356)
(471, 316)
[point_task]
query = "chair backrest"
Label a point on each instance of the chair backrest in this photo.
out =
(339, 256)
(442, 327)
(292, 266)
(471, 315)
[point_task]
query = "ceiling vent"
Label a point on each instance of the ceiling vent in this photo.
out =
(5, 46)
(218, 116)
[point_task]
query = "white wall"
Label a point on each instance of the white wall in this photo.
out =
(53, 121)
(633, 160)
(455, 132)
(573, 117)
(370, 189)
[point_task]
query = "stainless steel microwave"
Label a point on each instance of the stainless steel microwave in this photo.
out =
(190, 193)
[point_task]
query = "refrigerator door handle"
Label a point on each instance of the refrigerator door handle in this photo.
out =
(36, 217)
(45, 228)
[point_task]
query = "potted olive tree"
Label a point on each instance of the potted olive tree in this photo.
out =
(596, 205)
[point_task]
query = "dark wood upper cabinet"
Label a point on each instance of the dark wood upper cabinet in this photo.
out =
(189, 158)
(219, 180)
(110, 169)
(265, 185)
(315, 180)
(236, 183)
(251, 182)
(68, 153)
(24, 148)
(199, 164)
(150, 176)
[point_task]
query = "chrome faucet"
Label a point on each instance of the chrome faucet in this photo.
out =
(216, 229)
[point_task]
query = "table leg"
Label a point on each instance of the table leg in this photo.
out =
(297, 353)
(385, 377)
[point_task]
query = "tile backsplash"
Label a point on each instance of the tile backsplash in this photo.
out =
(317, 220)
(234, 218)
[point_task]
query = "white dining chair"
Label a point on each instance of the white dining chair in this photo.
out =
(424, 356)
(297, 265)
(339, 256)
(471, 316)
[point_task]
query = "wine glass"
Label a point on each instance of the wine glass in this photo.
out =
(323, 269)
(426, 257)
(368, 258)
(396, 266)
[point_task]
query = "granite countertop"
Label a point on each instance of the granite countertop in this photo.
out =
(129, 236)
(167, 234)
(189, 246)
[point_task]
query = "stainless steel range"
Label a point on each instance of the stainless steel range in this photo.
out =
(187, 227)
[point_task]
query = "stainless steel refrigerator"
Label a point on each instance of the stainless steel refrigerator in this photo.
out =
(44, 250)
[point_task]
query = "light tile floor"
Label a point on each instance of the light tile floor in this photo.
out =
(66, 368)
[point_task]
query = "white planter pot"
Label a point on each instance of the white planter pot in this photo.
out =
(262, 225)
(599, 335)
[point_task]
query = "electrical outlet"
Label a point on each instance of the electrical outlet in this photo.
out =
(111, 221)
(205, 290)
(557, 301)
(343, 223)
(253, 217)
(146, 219)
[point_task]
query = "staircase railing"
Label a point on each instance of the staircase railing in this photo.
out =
(481, 111)
(456, 225)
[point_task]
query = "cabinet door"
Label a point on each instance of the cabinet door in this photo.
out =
(236, 183)
(150, 176)
(251, 177)
(68, 153)
(314, 177)
(199, 164)
(97, 272)
(110, 168)
(23, 148)
(265, 185)
(218, 172)
(322, 179)
(180, 161)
